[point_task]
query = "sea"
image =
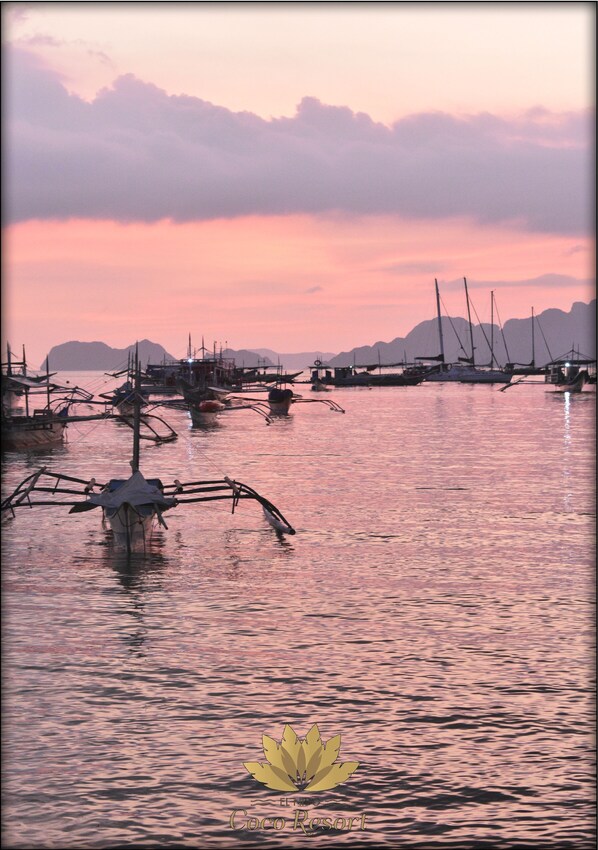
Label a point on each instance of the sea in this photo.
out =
(433, 615)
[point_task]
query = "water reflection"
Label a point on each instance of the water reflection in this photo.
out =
(433, 610)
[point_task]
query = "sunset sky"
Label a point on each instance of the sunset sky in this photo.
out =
(291, 176)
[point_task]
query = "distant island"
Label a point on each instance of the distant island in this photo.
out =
(92, 356)
(555, 333)
(97, 356)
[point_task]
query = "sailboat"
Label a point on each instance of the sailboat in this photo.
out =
(465, 370)
(132, 506)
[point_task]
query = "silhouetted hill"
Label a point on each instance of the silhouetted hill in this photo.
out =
(243, 357)
(555, 333)
(292, 362)
(84, 356)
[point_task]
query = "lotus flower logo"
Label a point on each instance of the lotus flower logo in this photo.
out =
(301, 764)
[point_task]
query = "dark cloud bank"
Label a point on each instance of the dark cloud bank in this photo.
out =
(138, 154)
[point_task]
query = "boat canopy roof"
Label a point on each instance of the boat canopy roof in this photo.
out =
(135, 491)
(20, 381)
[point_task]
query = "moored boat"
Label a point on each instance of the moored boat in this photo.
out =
(280, 400)
(573, 373)
(465, 371)
(132, 505)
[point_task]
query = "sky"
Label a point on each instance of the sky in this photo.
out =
(291, 176)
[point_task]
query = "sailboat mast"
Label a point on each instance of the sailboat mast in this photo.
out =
(533, 343)
(470, 325)
(8, 360)
(136, 414)
(439, 322)
(492, 329)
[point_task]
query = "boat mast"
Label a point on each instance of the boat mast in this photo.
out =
(491, 328)
(439, 322)
(533, 363)
(48, 381)
(470, 325)
(136, 414)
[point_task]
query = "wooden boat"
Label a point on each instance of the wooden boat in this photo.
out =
(123, 398)
(205, 406)
(132, 506)
(280, 400)
(573, 385)
(572, 373)
(28, 427)
(323, 376)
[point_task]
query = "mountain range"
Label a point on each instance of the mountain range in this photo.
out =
(554, 334)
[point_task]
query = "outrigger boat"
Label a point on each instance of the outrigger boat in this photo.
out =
(36, 427)
(132, 506)
(280, 401)
(571, 373)
(205, 407)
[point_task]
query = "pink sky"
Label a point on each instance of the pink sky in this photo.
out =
(311, 212)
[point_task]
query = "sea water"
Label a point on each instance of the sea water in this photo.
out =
(434, 609)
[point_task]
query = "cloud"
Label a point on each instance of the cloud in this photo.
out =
(544, 282)
(136, 153)
(315, 289)
(576, 249)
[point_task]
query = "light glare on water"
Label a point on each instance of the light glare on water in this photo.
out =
(434, 609)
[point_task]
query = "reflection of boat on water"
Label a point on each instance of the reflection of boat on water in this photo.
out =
(131, 506)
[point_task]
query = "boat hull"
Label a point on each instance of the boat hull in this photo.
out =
(454, 373)
(132, 527)
(27, 433)
(280, 401)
